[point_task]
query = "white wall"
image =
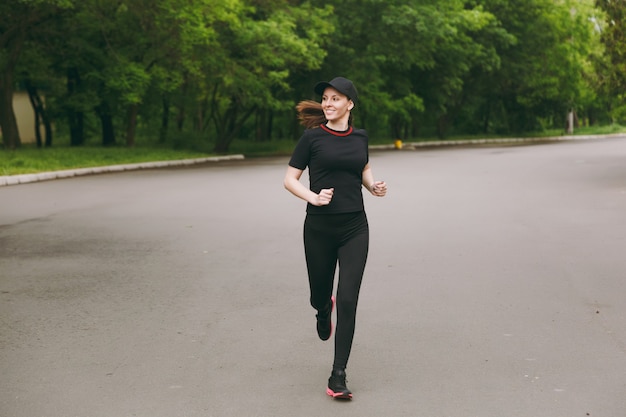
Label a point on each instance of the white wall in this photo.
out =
(25, 117)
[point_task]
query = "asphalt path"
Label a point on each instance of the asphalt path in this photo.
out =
(495, 287)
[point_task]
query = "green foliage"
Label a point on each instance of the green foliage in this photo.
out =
(207, 73)
(544, 67)
(614, 68)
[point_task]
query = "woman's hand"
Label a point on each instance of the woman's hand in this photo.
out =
(379, 188)
(324, 197)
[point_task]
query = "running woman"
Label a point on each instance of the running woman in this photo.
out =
(336, 231)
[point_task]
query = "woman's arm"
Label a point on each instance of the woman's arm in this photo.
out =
(294, 186)
(377, 188)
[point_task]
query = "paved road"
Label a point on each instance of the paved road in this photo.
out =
(495, 288)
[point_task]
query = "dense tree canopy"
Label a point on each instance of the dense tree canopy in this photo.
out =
(614, 38)
(214, 71)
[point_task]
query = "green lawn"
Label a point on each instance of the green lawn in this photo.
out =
(29, 159)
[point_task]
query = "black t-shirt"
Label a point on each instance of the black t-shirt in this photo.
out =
(335, 160)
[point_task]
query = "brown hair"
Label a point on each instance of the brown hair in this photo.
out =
(311, 115)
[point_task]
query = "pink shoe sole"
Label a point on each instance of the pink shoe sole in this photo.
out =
(338, 395)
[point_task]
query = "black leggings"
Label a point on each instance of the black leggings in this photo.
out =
(328, 239)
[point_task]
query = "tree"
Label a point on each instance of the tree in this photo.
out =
(614, 39)
(219, 70)
(258, 53)
(19, 21)
(408, 57)
(542, 72)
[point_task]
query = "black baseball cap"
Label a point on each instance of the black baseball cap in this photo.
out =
(343, 85)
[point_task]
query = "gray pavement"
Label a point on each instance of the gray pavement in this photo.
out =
(495, 288)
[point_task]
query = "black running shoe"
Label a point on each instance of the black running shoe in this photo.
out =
(324, 321)
(337, 386)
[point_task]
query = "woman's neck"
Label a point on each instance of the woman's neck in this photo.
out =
(339, 125)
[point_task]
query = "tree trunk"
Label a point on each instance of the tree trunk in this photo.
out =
(106, 120)
(132, 125)
(230, 126)
(263, 130)
(259, 126)
(8, 122)
(442, 126)
(75, 118)
(269, 124)
(76, 121)
(396, 127)
(591, 116)
(32, 97)
(165, 120)
(37, 123)
(182, 113)
(569, 123)
(41, 115)
(415, 126)
(47, 128)
(180, 117)
(487, 118)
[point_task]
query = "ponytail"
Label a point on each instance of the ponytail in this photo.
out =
(311, 115)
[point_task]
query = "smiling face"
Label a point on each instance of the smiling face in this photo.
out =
(336, 107)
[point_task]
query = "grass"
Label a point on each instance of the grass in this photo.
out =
(580, 131)
(30, 159)
(600, 130)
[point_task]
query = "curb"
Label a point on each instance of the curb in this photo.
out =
(53, 175)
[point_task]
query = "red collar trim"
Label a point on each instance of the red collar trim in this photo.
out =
(336, 133)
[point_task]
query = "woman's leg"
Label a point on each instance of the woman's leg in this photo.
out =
(352, 259)
(321, 259)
